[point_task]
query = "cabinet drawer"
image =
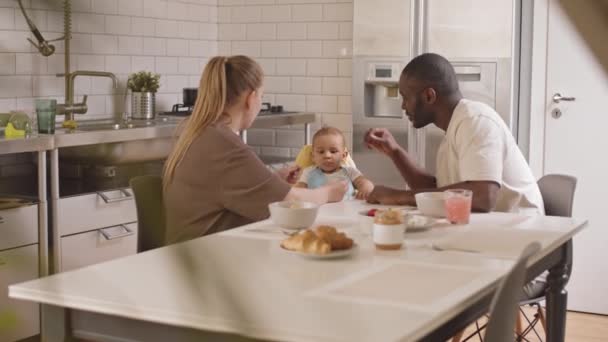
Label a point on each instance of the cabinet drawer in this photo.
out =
(16, 266)
(18, 226)
(99, 245)
(103, 209)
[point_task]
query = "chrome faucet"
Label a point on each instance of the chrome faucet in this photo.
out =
(69, 108)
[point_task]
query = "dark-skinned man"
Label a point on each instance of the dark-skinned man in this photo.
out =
(477, 153)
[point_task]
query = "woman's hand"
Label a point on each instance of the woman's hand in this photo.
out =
(289, 173)
(335, 191)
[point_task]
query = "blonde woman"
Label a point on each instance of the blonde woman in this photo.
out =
(212, 180)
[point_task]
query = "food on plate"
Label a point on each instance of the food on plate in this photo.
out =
(320, 240)
(372, 212)
(415, 221)
(338, 241)
(388, 217)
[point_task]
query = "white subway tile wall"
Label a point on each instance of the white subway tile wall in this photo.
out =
(305, 49)
(172, 37)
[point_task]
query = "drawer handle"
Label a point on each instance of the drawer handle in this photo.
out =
(108, 236)
(127, 196)
(1, 219)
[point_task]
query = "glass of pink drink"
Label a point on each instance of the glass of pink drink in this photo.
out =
(458, 205)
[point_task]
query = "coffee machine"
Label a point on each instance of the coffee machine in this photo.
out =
(189, 96)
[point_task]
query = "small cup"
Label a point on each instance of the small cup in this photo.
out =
(388, 237)
(388, 230)
(458, 205)
(45, 113)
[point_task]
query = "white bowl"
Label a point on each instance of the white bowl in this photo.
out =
(293, 214)
(366, 223)
(431, 203)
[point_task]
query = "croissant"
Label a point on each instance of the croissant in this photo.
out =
(321, 240)
(341, 241)
(327, 233)
(317, 246)
(296, 242)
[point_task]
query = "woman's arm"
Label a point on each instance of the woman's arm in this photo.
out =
(328, 193)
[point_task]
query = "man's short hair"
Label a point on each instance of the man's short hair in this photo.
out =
(433, 71)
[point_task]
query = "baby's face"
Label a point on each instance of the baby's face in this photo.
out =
(328, 151)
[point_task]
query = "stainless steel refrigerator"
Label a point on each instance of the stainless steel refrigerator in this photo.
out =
(479, 37)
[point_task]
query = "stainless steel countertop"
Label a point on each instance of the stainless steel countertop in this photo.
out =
(161, 128)
(277, 120)
(32, 143)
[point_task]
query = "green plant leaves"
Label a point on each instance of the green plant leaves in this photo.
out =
(144, 81)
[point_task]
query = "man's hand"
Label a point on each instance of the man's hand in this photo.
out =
(385, 195)
(382, 140)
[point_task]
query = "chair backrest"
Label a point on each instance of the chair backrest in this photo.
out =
(148, 192)
(558, 194)
(505, 304)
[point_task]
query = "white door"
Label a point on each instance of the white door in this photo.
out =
(576, 143)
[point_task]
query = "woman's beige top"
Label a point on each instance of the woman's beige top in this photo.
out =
(219, 184)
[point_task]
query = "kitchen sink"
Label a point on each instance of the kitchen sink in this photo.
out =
(153, 145)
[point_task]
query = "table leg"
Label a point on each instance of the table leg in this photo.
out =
(557, 296)
(54, 323)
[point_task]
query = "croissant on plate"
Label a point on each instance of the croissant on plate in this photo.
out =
(321, 240)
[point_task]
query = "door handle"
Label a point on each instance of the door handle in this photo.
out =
(558, 97)
(126, 196)
(108, 236)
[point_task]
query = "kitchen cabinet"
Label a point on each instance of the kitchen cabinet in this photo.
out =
(470, 28)
(18, 226)
(98, 245)
(96, 210)
(95, 227)
(381, 28)
(18, 319)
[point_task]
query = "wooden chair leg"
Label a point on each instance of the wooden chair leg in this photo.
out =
(458, 336)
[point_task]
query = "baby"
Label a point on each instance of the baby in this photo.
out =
(328, 152)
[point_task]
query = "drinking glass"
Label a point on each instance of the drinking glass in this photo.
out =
(458, 205)
(45, 113)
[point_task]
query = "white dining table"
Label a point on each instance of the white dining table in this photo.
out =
(240, 284)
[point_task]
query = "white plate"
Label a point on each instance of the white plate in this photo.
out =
(332, 255)
(425, 223)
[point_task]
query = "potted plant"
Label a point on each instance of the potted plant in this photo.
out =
(143, 86)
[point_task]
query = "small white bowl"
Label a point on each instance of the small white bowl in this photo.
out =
(293, 214)
(431, 203)
(366, 223)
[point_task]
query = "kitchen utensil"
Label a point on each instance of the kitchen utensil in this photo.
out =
(189, 96)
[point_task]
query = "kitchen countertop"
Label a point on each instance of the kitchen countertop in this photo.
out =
(162, 127)
(32, 143)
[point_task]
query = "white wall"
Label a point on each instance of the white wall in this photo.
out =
(305, 48)
(171, 37)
